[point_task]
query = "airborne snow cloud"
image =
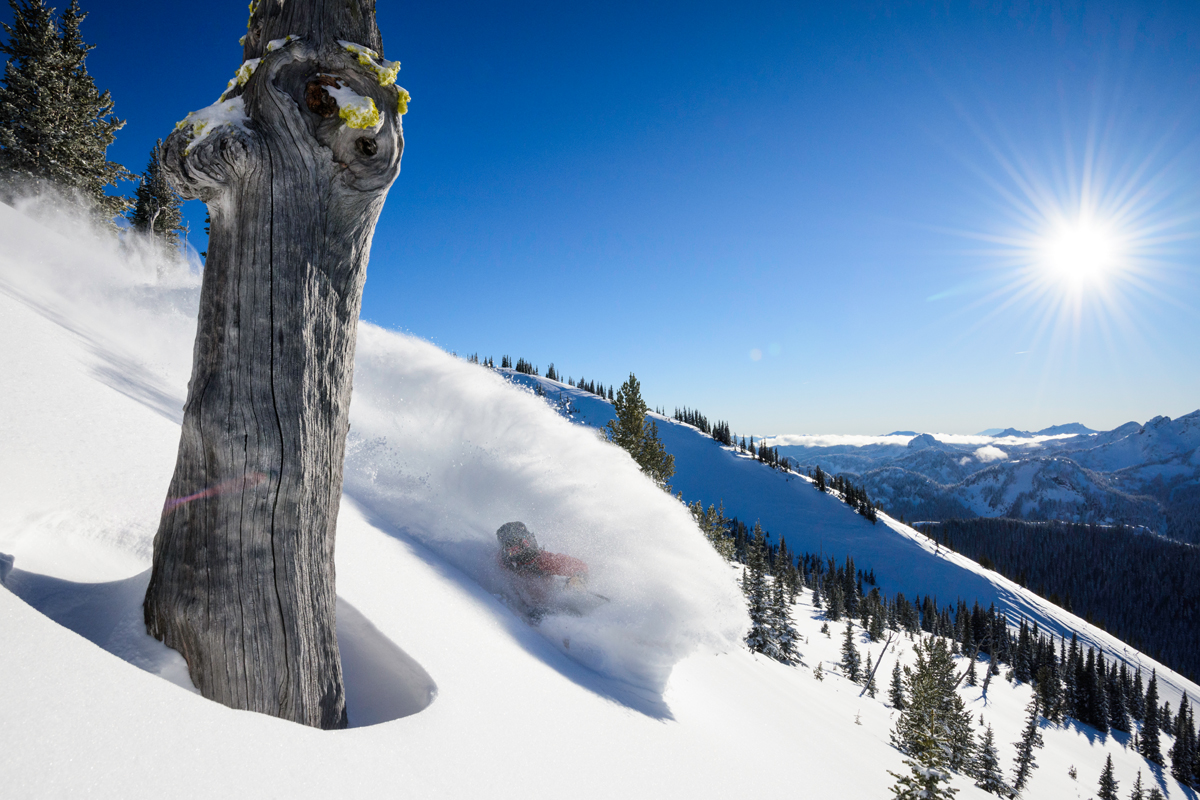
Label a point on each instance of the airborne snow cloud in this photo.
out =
(441, 452)
(445, 452)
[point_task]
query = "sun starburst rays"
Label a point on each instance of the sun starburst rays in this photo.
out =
(1082, 250)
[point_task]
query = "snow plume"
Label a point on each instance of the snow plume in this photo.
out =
(990, 453)
(441, 453)
(130, 297)
(445, 452)
(124, 309)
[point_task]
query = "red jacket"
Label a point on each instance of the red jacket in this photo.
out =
(540, 562)
(559, 564)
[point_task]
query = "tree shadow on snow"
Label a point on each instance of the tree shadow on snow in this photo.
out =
(382, 682)
(114, 369)
(637, 698)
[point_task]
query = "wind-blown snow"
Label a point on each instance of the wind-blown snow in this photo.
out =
(445, 452)
(442, 452)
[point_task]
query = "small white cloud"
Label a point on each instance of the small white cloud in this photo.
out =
(756, 354)
(990, 453)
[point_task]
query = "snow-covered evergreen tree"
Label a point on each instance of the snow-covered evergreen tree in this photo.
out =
(1138, 792)
(928, 777)
(896, 689)
(1031, 739)
(988, 775)
(1118, 704)
(55, 125)
(835, 598)
(869, 677)
(754, 584)
(782, 630)
(156, 209)
(1182, 752)
(929, 694)
(1108, 784)
(1151, 748)
(715, 526)
(851, 659)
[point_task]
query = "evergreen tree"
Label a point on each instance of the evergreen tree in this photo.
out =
(1181, 752)
(896, 689)
(875, 623)
(782, 630)
(1101, 711)
(1108, 784)
(1118, 707)
(834, 601)
(1049, 691)
(929, 695)
(988, 775)
(1031, 739)
(1151, 747)
(869, 674)
(156, 209)
(1137, 705)
(929, 776)
(638, 435)
(851, 660)
(715, 526)
(55, 126)
(754, 584)
(1138, 792)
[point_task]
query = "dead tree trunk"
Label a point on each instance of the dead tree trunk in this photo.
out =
(294, 162)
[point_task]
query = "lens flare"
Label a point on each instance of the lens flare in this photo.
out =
(233, 485)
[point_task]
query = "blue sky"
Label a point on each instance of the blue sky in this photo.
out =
(821, 217)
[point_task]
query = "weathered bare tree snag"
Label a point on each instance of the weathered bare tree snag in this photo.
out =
(294, 163)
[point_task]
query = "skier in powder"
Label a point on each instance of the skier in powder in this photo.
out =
(533, 569)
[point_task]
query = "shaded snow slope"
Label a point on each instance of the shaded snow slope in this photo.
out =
(100, 364)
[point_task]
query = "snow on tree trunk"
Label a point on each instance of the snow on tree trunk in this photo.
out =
(294, 162)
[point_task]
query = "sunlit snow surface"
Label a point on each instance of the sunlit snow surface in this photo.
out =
(95, 349)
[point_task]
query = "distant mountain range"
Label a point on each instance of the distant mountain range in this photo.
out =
(1137, 474)
(1053, 430)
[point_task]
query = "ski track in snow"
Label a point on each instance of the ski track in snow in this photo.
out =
(662, 700)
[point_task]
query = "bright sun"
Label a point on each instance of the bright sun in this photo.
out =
(1080, 252)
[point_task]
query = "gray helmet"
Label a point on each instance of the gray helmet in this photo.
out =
(518, 545)
(515, 534)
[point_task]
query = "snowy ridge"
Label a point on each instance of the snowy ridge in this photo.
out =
(1142, 475)
(96, 346)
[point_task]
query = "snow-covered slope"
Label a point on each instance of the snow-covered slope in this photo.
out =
(94, 347)
(788, 506)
